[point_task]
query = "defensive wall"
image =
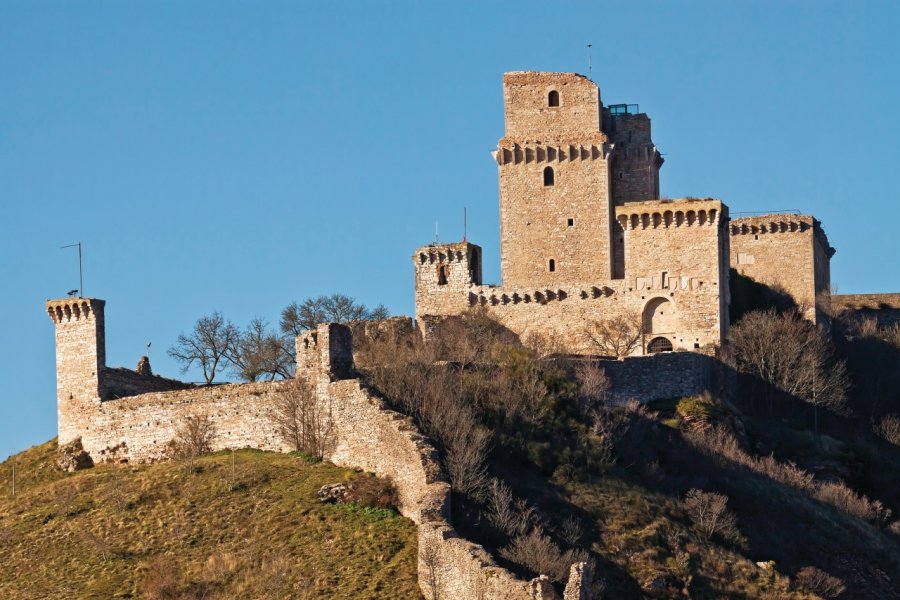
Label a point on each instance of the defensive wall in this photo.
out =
(663, 376)
(675, 283)
(366, 435)
(885, 308)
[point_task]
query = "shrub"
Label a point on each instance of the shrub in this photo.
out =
(536, 552)
(510, 515)
(162, 580)
(819, 582)
(889, 429)
(593, 384)
(710, 514)
(373, 492)
(193, 437)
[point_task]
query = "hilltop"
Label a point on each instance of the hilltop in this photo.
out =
(170, 530)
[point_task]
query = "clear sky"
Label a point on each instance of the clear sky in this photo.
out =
(237, 156)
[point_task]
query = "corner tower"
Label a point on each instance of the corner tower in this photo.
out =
(80, 360)
(556, 210)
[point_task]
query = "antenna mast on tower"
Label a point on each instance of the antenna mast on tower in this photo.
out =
(590, 63)
(80, 269)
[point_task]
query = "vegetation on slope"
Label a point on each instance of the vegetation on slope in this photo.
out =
(173, 531)
(546, 472)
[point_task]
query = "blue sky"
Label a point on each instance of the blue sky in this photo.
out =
(236, 156)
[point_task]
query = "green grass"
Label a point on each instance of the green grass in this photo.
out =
(166, 531)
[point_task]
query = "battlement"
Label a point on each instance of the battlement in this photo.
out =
(688, 212)
(66, 310)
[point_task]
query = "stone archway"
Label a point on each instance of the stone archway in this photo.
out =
(660, 317)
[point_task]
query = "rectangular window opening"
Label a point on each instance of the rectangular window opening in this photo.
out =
(571, 222)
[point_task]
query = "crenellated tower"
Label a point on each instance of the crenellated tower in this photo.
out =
(636, 160)
(80, 360)
(444, 274)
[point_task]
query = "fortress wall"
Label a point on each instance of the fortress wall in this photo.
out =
(367, 435)
(659, 377)
(563, 312)
(883, 307)
(139, 428)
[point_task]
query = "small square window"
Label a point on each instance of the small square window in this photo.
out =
(571, 222)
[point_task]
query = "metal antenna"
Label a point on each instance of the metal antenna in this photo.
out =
(80, 269)
(590, 62)
(436, 232)
(464, 223)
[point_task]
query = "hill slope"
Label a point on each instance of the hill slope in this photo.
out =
(167, 531)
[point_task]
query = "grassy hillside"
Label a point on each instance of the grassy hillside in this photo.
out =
(165, 531)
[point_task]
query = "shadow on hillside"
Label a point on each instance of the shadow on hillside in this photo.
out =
(779, 522)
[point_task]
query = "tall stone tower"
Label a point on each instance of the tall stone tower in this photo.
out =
(556, 210)
(636, 161)
(80, 360)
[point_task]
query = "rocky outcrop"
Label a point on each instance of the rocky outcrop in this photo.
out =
(72, 457)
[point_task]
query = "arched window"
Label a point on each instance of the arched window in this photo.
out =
(553, 98)
(659, 344)
(552, 265)
(549, 178)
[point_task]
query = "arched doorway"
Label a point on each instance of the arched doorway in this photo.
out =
(659, 344)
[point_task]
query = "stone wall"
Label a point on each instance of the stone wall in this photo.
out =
(659, 377)
(676, 282)
(885, 308)
(120, 382)
(787, 252)
(367, 435)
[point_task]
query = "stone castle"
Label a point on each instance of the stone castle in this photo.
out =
(584, 236)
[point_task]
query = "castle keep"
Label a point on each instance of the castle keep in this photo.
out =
(585, 236)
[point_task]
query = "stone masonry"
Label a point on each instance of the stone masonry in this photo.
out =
(585, 237)
(787, 252)
(367, 435)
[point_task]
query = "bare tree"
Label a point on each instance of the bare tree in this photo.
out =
(211, 344)
(261, 353)
(539, 554)
(593, 384)
(193, 437)
(617, 336)
(793, 355)
(709, 512)
(336, 308)
(302, 421)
